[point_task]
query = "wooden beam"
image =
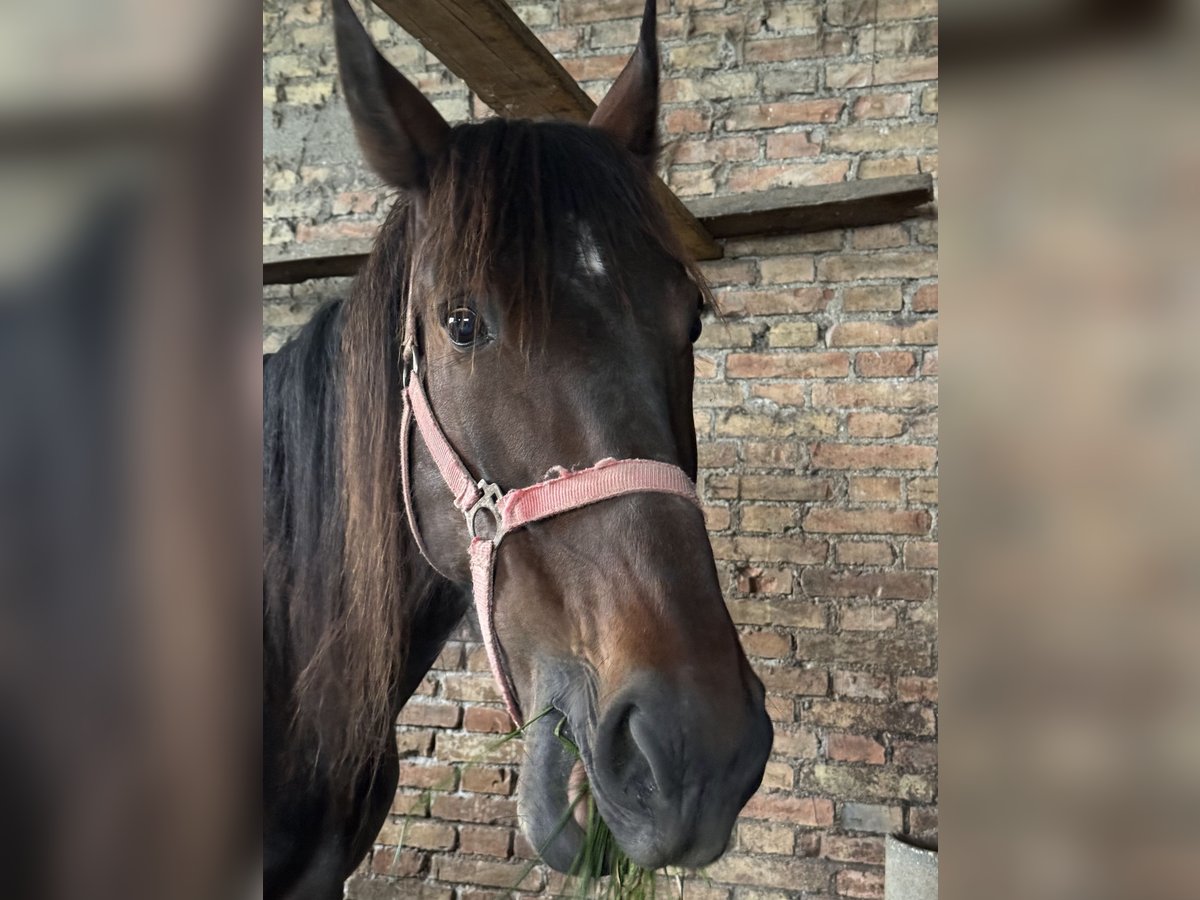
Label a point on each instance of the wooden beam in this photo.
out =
(848, 204)
(487, 46)
(851, 204)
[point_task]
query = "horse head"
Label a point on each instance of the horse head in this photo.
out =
(553, 316)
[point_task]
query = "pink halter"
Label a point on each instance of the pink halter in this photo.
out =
(514, 509)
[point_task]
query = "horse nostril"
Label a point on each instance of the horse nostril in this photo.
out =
(624, 757)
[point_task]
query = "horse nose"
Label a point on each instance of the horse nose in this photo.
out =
(672, 770)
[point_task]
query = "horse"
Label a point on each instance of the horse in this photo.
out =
(527, 286)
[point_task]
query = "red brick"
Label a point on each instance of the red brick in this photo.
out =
(757, 580)
(784, 613)
(921, 555)
(885, 363)
(925, 299)
(787, 365)
(915, 754)
(873, 456)
(795, 743)
(791, 146)
(485, 840)
(888, 167)
(783, 487)
(923, 823)
(437, 778)
(793, 334)
(887, 264)
(879, 237)
(845, 848)
(714, 150)
(749, 178)
(859, 716)
(868, 585)
(766, 644)
(422, 834)
(485, 810)
(729, 271)
(767, 519)
(873, 490)
(874, 334)
(794, 681)
(705, 367)
(861, 685)
(574, 12)
(872, 298)
(853, 748)
(436, 715)
(867, 521)
(771, 549)
(776, 424)
(410, 803)
(798, 877)
(803, 46)
(877, 425)
(876, 395)
(477, 686)
(685, 120)
(787, 269)
(780, 709)
(811, 811)
(338, 230)
(867, 618)
(882, 106)
(923, 490)
(914, 688)
(716, 454)
(871, 817)
(779, 302)
(399, 863)
(862, 885)
(763, 838)
(354, 202)
(906, 69)
(789, 394)
(487, 780)
(410, 742)
(717, 518)
(696, 53)
(864, 553)
(775, 115)
(505, 875)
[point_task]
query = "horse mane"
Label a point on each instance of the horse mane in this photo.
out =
(496, 225)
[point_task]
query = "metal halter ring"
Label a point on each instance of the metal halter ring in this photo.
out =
(489, 502)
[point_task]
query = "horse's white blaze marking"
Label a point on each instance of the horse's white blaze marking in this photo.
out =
(590, 259)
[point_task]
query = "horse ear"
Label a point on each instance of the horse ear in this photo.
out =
(629, 111)
(399, 130)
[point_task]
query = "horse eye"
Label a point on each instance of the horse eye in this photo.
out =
(465, 327)
(696, 329)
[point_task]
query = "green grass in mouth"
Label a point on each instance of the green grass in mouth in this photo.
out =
(599, 853)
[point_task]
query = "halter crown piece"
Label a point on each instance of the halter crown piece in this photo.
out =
(511, 510)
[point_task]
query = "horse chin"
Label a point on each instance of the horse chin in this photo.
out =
(550, 779)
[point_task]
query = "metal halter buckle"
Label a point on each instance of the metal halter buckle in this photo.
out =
(489, 502)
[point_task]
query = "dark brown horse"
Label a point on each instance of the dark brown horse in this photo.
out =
(555, 315)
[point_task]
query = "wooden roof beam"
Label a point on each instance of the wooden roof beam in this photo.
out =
(849, 204)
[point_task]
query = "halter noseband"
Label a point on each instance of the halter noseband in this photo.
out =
(514, 509)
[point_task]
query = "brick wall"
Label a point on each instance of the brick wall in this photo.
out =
(816, 413)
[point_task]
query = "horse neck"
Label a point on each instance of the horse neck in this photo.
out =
(436, 608)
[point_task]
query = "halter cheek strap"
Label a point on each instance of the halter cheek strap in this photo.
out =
(512, 510)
